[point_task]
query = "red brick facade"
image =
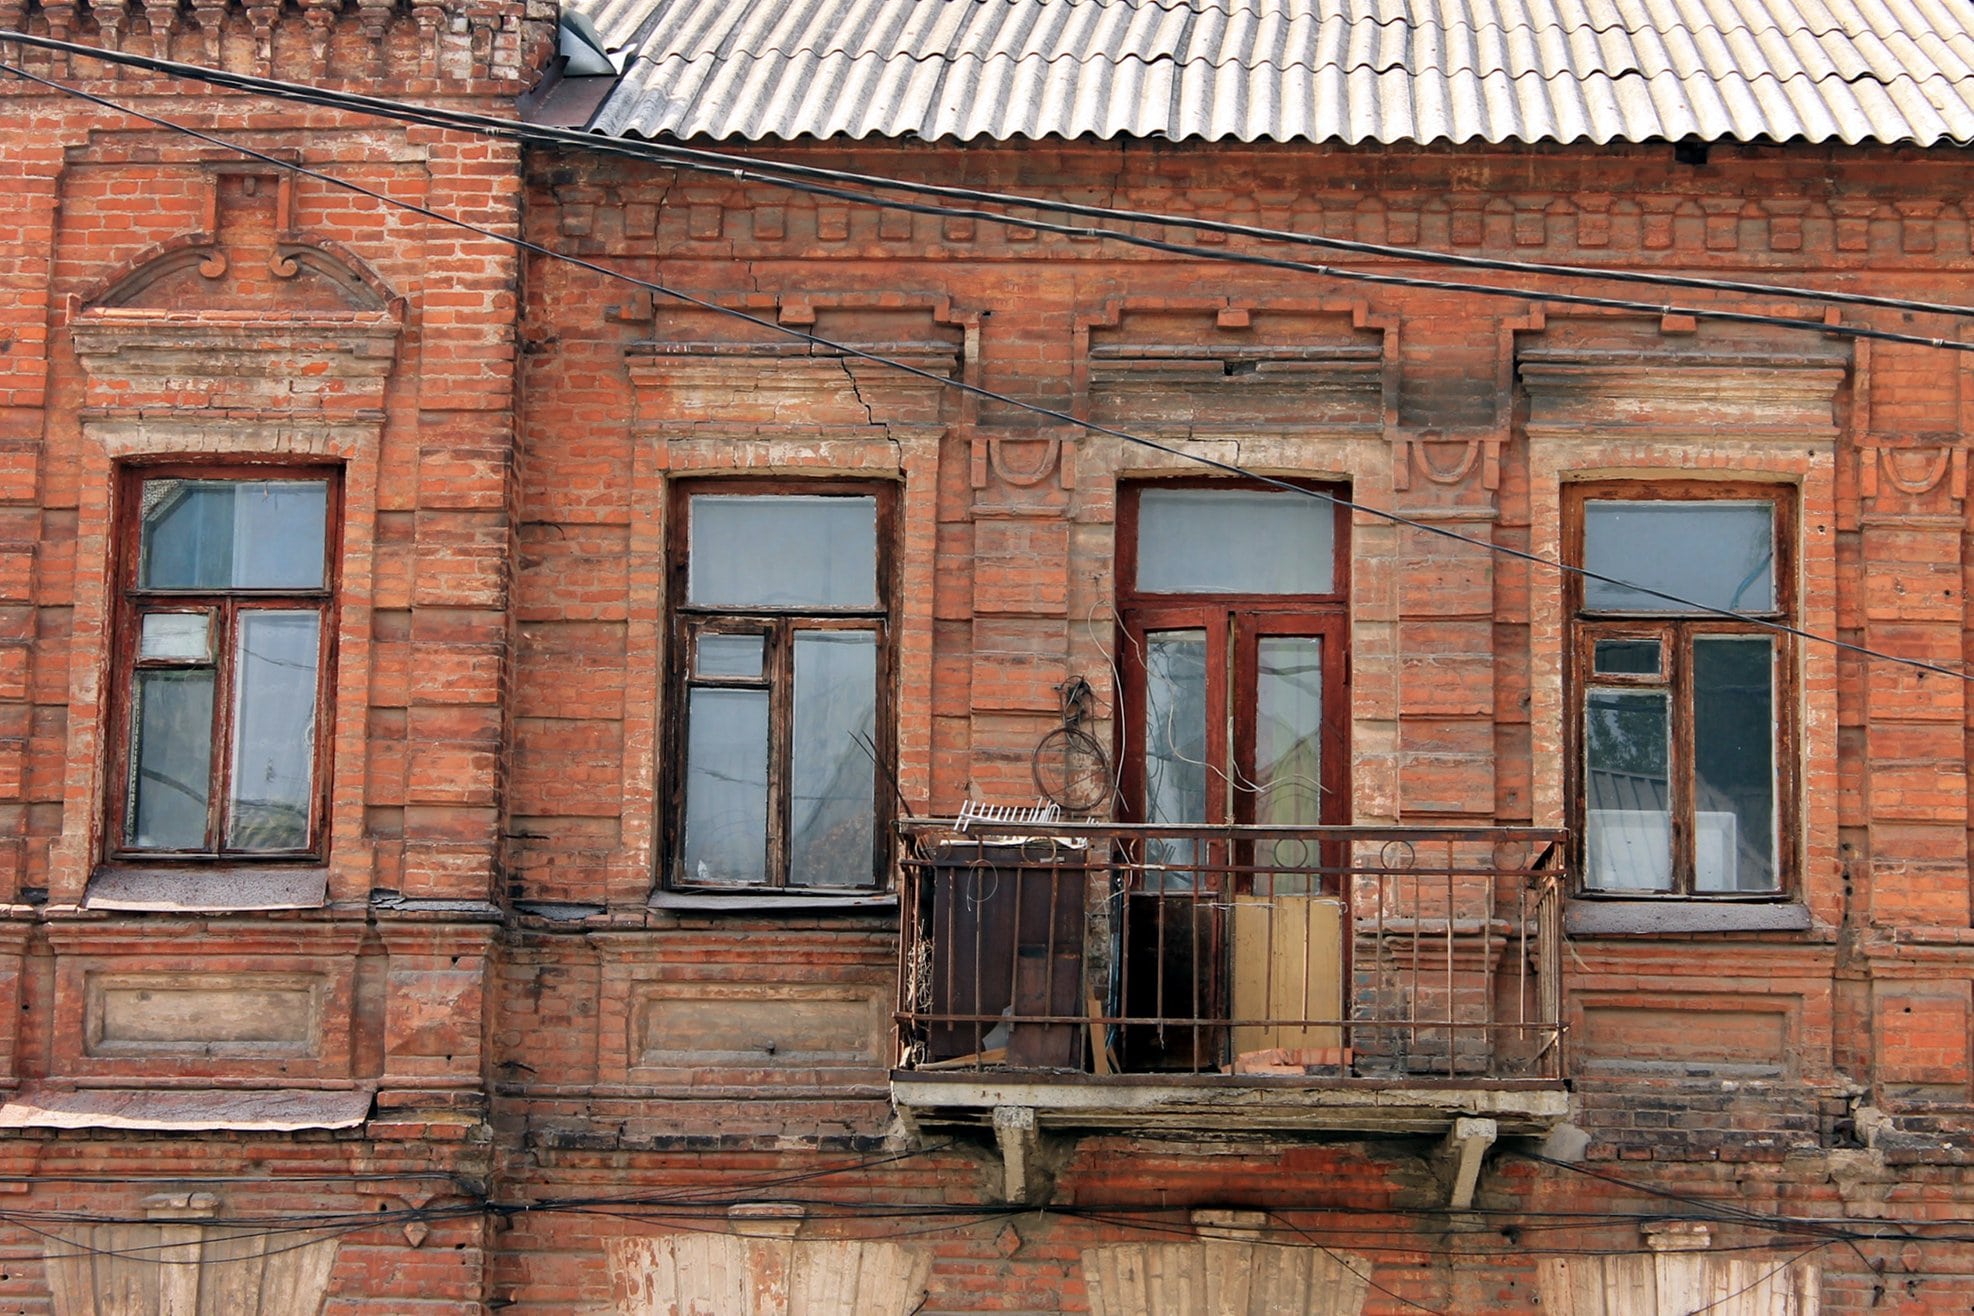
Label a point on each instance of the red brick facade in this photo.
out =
(488, 958)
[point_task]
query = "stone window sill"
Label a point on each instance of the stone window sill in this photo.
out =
(873, 902)
(1645, 917)
(207, 889)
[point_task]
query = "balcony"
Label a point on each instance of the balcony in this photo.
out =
(1222, 980)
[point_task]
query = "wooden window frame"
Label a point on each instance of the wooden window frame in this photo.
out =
(1243, 619)
(133, 603)
(1675, 632)
(686, 622)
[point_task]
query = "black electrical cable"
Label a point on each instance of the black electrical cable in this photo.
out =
(751, 171)
(779, 173)
(1149, 1220)
(1738, 1214)
(1037, 409)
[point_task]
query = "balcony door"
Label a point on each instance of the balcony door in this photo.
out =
(1234, 720)
(1234, 619)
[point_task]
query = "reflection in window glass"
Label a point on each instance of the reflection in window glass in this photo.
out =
(726, 786)
(1235, 541)
(1288, 731)
(782, 551)
(1699, 554)
(1734, 763)
(273, 731)
(232, 534)
(1628, 803)
(170, 759)
(1288, 748)
(832, 828)
(1175, 734)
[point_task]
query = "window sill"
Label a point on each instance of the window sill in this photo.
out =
(758, 902)
(207, 889)
(1590, 917)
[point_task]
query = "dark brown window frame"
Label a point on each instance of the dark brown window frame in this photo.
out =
(686, 622)
(1243, 619)
(1675, 632)
(132, 604)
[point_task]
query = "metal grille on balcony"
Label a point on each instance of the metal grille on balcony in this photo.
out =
(1347, 954)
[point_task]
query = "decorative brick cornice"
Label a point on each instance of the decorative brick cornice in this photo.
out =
(787, 384)
(259, 361)
(1334, 390)
(484, 46)
(1750, 396)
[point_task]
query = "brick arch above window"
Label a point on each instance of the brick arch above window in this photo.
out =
(198, 269)
(247, 320)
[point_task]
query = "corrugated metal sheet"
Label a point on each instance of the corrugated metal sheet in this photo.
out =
(1293, 70)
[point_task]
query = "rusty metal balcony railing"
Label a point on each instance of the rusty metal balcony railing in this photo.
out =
(1344, 952)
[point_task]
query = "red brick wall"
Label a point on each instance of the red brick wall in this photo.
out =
(97, 208)
(500, 698)
(1725, 1066)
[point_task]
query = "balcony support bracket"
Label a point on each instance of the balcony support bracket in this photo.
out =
(1023, 1180)
(1460, 1158)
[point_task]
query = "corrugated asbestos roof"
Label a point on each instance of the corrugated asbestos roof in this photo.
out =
(1293, 70)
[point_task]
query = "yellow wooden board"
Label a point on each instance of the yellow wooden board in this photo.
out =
(1287, 964)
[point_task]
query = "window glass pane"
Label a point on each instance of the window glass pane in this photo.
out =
(782, 551)
(1628, 658)
(727, 655)
(176, 637)
(1235, 541)
(726, 786)
(832, 802)
(274, 701)
(1175, 739)
(1707, 554)
(233, 534)
(1288, 731)
(170, 760)
(1628, 803)
(1734, 763)
(1288, 752)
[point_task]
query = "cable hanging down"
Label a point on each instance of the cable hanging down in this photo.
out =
(774, 327)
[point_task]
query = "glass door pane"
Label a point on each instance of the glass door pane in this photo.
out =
(1175, 742)
(1286, 783)
(1286, 939)
(1288, 729)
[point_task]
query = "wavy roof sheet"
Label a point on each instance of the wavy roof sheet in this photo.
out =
(1293, 70)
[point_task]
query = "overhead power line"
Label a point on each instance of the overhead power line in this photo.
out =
(946, 381)
(836, 184)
